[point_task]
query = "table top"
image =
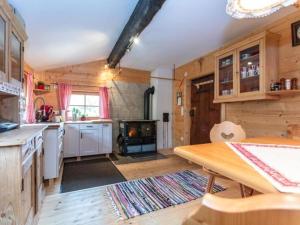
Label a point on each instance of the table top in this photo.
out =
(221, 159)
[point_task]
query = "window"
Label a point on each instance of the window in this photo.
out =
(86, 104)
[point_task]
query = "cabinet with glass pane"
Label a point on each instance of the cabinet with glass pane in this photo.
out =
(244, 70)
(3, 47)
(12, 37)
(225, 76)
(16, 59)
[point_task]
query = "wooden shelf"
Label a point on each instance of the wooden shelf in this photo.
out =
(40, 91)
(253, 57)
(226, 82)
(226, 66)
(284, 93)
(246, 98)
(249, 78)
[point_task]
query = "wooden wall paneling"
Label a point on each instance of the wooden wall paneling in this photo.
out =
(197, 68)
(258, 118)
(187, 108)
(86, 77)
(272, 58)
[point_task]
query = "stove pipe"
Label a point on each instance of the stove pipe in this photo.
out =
(148, 92)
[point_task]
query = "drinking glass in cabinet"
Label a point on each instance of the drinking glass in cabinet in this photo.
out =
(225, 75)
(249, 69)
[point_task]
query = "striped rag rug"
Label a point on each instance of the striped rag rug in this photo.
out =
(138, 197)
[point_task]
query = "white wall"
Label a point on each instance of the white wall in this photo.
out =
(162, 102)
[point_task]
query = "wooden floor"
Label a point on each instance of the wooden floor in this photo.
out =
(93, 206)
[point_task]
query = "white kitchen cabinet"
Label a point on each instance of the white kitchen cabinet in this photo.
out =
(83, 139)
(105, 138)
(53, 147)
(89, 141)
(71, 140)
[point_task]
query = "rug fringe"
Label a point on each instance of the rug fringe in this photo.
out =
(115, 207)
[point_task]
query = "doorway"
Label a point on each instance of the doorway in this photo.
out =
(204, 113)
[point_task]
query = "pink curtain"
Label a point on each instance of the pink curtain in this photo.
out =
(64, 95)
(29, 114)
(104, 103)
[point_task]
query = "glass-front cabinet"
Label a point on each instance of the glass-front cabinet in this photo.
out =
(249, 69)
(12, 38)
(3, 48)
(244, 70)
(225, 75)
(15, 58)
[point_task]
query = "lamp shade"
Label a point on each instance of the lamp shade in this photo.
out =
(255, 8)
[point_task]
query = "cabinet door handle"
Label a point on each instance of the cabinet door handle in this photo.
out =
(81, 135)
(89, 126)
(27, 151)
(22, 185)
(64, 132)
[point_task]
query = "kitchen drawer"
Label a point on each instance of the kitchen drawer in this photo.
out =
(88, 126)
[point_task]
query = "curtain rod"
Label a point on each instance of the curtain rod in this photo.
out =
(78, 85)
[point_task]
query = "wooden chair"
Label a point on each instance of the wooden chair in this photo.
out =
(266, 209)
(225, 131)
(293, 131)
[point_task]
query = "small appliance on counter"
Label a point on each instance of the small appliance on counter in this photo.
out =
(6, 125)
(47, 112)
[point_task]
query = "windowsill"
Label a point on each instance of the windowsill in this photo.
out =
(87, 119)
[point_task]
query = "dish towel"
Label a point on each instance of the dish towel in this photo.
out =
(279, 164)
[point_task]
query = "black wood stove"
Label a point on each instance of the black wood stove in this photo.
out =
(137, 136)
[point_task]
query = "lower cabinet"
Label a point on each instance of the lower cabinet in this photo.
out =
(39, 177)
(28, 191)
(53, 148)
(71, 140)
(21, 178)
(87, 139)
(32, 187)
(106, 142)
(89, 142)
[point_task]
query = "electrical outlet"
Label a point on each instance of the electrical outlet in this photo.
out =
(181, 139)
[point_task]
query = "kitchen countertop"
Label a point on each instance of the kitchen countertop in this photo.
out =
(20, 136)
(138, 120)
(90, 121)
(50, 125)
(54, 125)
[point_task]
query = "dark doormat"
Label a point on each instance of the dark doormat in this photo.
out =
(141, 157)
(88, 174)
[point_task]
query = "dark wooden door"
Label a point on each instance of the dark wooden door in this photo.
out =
(204, 113)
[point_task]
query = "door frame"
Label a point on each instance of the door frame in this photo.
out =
(187, 90)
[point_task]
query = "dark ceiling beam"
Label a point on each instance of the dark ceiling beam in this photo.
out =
(142, 15)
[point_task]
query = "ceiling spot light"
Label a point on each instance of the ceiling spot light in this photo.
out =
(136, 40)
(255, 8)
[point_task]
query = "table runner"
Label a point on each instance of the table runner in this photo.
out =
(279, 164)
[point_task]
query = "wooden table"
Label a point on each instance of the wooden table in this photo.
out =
(221, 159)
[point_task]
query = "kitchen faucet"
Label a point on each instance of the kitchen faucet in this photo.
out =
(44, 103)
